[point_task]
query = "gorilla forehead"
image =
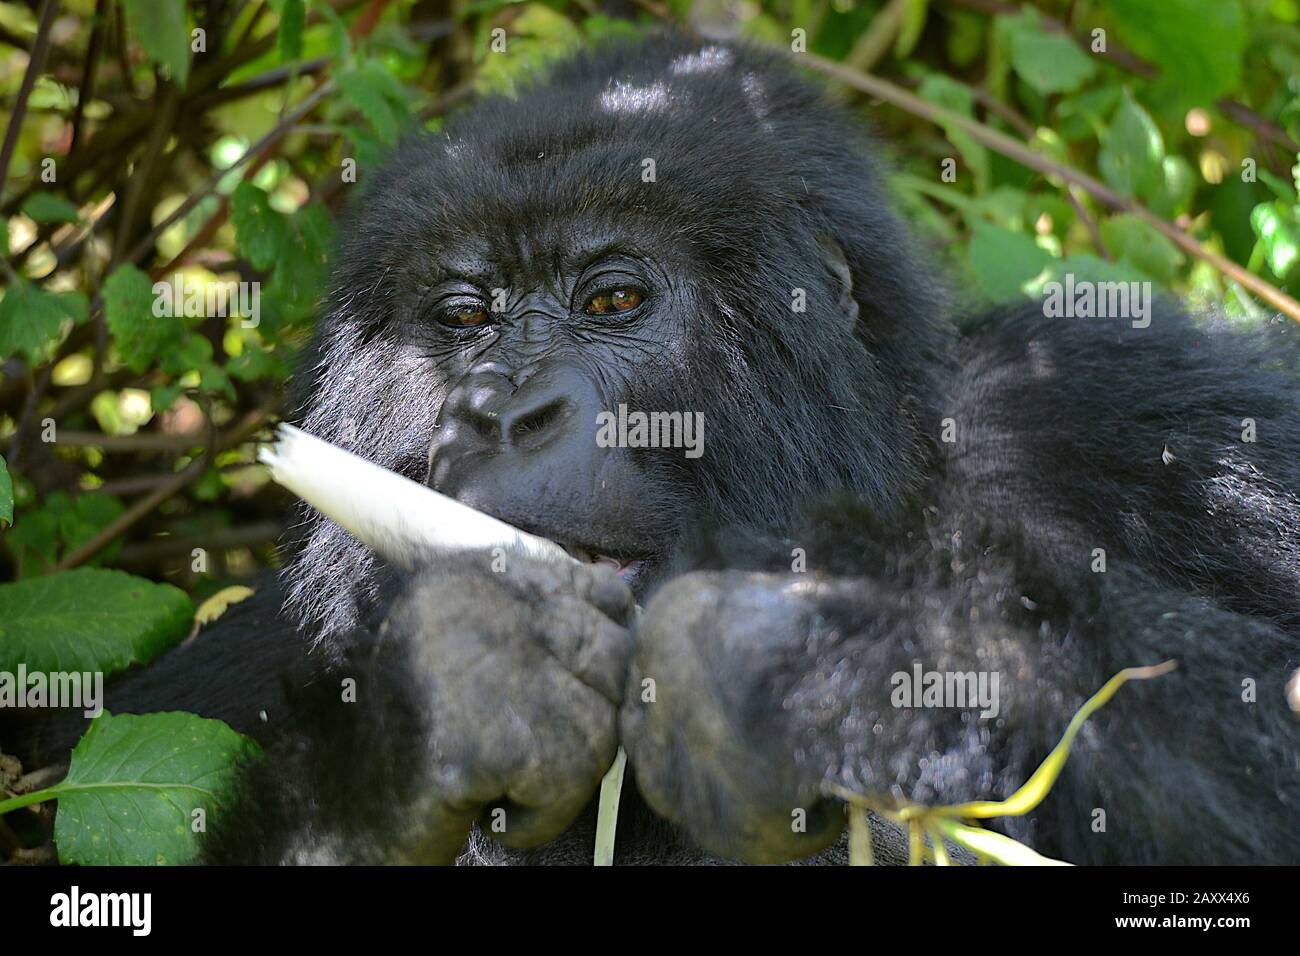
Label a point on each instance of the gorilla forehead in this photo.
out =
(694, 150)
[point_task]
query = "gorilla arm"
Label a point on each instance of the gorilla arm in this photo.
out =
(751, 691)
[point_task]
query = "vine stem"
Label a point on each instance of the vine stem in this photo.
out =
(26, 800)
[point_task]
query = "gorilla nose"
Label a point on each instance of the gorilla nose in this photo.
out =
(489, 410)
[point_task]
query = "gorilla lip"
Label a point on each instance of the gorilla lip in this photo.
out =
(627, 568)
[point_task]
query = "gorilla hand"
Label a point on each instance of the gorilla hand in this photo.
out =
(524, 671)
(703, 724)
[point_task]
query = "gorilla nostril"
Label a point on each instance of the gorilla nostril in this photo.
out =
(485, 426)
(535, 422)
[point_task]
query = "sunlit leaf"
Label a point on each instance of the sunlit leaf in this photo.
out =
(1276, 224)
(1132, 152)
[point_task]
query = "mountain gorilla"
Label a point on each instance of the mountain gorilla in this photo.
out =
(1037, 502)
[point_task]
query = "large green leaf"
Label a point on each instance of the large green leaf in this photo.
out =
(90, 619)
(952, 95)
(378, 97)
(134, 784)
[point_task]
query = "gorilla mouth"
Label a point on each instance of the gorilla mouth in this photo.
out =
(628, 568)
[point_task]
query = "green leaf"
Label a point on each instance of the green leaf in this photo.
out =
(89, 514)
(1277, 225)
(1083, 114)
(1172, 196)
(377, 96)
(1198, 46)
(909, 32)
(292, 17)
(161, 28)
(1137, 243)
(162, 397)
(6, 494)
(34, 541)
(134, 784)
(539, 36)
(32, 320)
(1131, 157)
(952, 95)
(1087, 268)
(46, 207)
(262, 231)
(138, 333)
(1003, 262)
(1048, 62)
(89, 619)
(340, 40)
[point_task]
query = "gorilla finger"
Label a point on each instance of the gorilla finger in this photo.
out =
(589, 645)
(522, 827)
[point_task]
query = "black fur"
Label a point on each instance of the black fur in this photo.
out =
(977, 555)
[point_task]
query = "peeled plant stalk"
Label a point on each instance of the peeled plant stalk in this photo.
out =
(397, 518)
(402, 520)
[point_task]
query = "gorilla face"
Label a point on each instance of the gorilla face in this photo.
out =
(541, 262)
(532, 341)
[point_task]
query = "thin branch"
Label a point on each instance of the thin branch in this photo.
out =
(36, 63)
(86, 88)
(249, 424)
(239, 536)
(128, 444)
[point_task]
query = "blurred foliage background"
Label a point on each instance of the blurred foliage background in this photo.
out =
(212, 142)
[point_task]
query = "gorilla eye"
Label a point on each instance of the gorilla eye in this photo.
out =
(464, 316)
(615, 300)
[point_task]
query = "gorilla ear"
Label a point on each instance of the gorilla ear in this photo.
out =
(838, 266)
